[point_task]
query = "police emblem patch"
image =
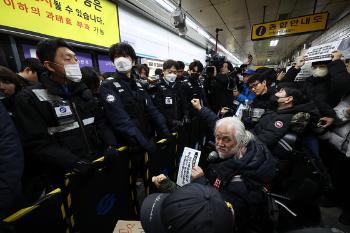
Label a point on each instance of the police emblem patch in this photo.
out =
(110, 98)
(278, 124)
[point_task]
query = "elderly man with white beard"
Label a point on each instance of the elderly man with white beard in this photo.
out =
(244, 166)
(240, 171)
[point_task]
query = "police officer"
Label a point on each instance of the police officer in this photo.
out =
(180, 71)
(55, 119)
(128, 107)
(168, 97)
(226, 84)
(193, 86)
(193, 89)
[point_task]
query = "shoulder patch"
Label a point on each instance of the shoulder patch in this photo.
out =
(116, 84)
(110, 98)
(278, 124)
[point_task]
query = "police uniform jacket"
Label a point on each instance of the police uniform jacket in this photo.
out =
(193, 88)
(56, 123)
(130, 111)
(169, 100)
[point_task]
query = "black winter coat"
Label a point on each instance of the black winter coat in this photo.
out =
(11, 163)
(49, 121)
(130, 111)
(240, 182)
(265, 101)
(193, 88)
(170, 102)
(223, 95)
(316, 89)
(273, 125)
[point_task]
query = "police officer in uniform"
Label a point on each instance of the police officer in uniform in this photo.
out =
(168, 97)
(193, 89)
(55, 119)
(128, 107)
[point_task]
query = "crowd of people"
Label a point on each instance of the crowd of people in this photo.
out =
(281, 145)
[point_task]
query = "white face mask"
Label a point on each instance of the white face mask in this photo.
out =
(73, 72)
(122, 64)
(170, 78)
(319, 72)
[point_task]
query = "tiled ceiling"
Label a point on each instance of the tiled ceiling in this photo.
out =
(236, 17)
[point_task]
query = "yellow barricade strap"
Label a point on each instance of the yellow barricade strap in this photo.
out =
(19, 214)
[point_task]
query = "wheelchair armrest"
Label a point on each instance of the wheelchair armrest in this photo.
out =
(288, 141)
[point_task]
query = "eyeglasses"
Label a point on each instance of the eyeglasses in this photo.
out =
(254, 85)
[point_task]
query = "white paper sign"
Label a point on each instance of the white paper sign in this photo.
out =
(189, 159)
(321, 52)
(128, 227)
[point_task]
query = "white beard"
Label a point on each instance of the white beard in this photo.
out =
(233, 152)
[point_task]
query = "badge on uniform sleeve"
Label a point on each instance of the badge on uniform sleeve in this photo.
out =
(110, 98)
(168, 100)
(278, 124)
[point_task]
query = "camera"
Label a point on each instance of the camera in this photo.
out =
(215, 60)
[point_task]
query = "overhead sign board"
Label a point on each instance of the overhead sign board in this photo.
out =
(89, 21)
(289, 27)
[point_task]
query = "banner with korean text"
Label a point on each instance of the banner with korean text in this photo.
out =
(89, 21)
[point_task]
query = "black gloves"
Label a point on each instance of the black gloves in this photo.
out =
(82, 167)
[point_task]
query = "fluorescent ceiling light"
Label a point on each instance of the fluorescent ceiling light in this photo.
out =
(166, 5)
(170, 7)
(274, 42)
(203, 33)
(212, 40)
(192, 24)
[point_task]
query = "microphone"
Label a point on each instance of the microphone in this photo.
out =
(212, 156)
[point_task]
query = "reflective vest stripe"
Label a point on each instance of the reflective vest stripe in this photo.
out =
(70, 126)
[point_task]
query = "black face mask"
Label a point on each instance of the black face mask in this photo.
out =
(195, 76)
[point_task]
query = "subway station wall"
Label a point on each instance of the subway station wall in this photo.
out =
(153, 41)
